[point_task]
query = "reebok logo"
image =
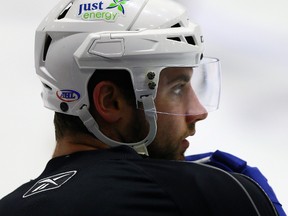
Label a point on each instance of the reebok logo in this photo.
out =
(50, 183)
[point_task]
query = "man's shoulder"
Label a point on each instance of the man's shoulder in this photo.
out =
(121, 176)
(210, 189)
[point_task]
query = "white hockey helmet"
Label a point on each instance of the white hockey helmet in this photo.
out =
(141, 36)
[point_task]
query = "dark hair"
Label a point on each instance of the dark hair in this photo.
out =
(72, 124)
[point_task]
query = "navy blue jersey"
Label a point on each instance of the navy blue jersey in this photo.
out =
(118, 181)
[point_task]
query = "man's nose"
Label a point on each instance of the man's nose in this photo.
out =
(195, 110)
(195, 117)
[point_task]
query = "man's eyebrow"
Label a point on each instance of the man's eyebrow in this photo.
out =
(180, 77)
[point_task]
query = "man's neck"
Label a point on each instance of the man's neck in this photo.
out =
(76, 143)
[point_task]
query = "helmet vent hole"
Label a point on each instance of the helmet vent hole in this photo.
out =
(65, 11)
(190, 40)
(178, 39)
(46, 46)
(47, 86)
(177, 25)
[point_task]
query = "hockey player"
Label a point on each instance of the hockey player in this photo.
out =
(127, 81)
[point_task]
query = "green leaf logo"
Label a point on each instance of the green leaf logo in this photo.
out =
(119, 4)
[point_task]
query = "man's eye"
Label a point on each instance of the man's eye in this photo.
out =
(178, 88)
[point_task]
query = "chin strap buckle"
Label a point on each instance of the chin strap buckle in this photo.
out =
(141, 149)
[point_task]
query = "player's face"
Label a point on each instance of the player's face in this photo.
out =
(178, 110)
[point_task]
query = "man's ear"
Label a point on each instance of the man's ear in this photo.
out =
(108, 101)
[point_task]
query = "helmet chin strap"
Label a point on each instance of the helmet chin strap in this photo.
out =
(141, 146)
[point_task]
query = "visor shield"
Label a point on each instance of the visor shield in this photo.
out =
(189, 90)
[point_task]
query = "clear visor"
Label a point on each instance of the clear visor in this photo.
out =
(189, 90)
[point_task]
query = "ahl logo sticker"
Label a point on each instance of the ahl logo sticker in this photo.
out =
(67, 95)
(98, 11)
(50, 183)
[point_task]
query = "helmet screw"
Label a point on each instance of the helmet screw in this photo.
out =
(64, 107)
(151, 75)
(152, 85)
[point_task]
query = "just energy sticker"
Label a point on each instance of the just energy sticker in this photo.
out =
(102, 10)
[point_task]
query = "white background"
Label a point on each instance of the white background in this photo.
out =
(250, 38)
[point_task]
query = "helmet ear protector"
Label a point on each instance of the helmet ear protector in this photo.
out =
(70, 46)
